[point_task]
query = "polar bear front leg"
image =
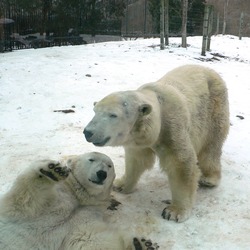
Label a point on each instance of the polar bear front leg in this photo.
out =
(183, 179)
(53, 171)
(33, 190)
(137, 160)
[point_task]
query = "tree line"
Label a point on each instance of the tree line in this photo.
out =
(234, 15)
(92, 16)
(58, 16)
(195, 12)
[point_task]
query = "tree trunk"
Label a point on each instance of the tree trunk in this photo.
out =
(93, 19)
(210, 26)
(162, 24)
(217, 23)
(241, 24)
(145, 18)
(184, 23)
(205, 31)
(166, 22)
(126, 20)
(226, 2)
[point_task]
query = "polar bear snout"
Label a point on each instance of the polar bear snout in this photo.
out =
(95, 139)
(100, 177)
(88, 134)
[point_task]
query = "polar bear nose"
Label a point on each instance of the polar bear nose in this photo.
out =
(102, 175)
(88, 134)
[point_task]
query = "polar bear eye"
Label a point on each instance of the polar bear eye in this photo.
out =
(91, 160)
(113, 116)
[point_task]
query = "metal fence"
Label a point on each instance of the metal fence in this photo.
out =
(17, 34)
(19, 29)
(39, 28)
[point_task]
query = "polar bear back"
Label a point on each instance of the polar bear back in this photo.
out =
(195, 82)
(195, 95)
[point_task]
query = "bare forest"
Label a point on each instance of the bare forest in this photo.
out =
(231, 13)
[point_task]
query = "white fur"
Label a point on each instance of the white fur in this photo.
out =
(183, 118)
(64, 213)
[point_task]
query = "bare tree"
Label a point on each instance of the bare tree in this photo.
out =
(184, 23)
(226, 2)
(166, 22)
(205, 30)
(241, 24)
(162, 24)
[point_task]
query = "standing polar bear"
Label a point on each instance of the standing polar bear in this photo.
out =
(57, 207)
(183, 118)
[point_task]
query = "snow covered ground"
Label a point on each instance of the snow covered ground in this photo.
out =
(35, 83)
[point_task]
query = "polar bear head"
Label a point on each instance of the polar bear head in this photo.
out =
(93, 173)
(115, 119)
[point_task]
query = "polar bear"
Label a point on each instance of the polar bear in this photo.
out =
(54, 206)
(183, 118)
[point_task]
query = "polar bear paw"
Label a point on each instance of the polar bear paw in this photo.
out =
(54, 171)
(143, 244)
(172, 212)
(113, 204)
(209, 181)
(122, 186)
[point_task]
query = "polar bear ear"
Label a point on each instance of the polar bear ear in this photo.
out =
(145, 109)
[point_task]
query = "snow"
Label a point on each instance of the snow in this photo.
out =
(35, 83)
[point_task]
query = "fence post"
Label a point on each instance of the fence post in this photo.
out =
(205, 31)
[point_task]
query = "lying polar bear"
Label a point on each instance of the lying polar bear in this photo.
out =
(52, 206)
(183, 118)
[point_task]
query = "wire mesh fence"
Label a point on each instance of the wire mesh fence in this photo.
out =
(45, 26)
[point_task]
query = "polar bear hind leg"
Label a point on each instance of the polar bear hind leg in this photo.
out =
(209, 159)
(209, 162)
(101, 237)
(143, 244)
(97, 237)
